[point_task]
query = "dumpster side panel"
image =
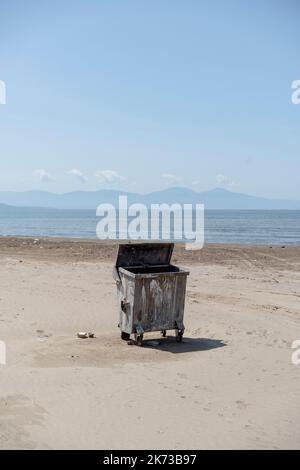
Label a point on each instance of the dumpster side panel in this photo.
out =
(159, 301)
(126, 291)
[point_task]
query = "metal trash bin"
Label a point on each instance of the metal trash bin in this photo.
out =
(151, 291)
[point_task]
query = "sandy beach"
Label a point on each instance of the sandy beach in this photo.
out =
(230, 384)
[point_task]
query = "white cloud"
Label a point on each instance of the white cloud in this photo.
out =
(172, 179)
(195, 183)
(78, 174)
(224, 180)
(43, 175)
(109, 176)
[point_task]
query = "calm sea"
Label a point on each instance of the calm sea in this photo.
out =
(224, 226)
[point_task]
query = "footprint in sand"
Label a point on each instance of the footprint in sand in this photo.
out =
(241, 404)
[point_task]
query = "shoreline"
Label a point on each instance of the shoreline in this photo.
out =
(98, 240)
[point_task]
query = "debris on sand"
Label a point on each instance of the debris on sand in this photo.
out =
(84, 335)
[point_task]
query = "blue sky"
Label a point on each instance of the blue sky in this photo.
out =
(143, 95)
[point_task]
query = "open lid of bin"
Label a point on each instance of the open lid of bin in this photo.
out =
(144, 254)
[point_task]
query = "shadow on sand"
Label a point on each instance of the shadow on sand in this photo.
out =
(187, 345)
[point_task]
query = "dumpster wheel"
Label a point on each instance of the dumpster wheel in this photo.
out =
(125, 336)
(139, 339)
(179, 335)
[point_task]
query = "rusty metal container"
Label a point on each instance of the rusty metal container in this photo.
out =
(151, 291)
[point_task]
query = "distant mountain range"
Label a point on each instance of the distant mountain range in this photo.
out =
(215, 199)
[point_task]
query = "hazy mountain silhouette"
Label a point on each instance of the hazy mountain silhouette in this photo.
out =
(214, 199)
